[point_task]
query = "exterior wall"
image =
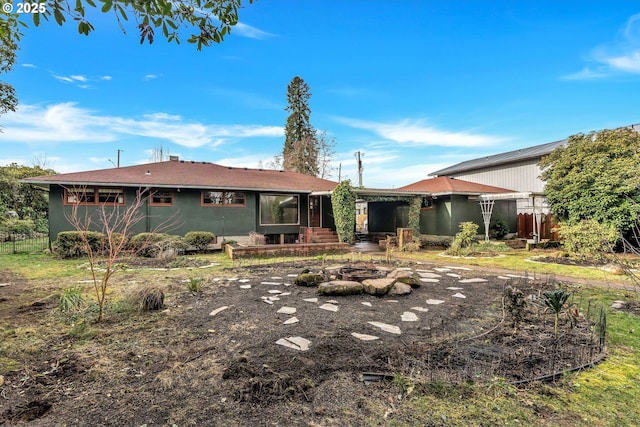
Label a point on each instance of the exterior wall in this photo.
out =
(187, 214)
(449, 211)
(522, 176)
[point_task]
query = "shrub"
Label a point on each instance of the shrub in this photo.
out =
(588, 238)
(464, 239)
(500, 229)
(18, 226)
(199, 239)
(151, 245)
(149, 298)
(71, 244)
(194, 284)
(343, 200)
(71, 300)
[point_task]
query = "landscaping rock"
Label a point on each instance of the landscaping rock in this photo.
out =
(378, 286)
(408, 277)
(400, 289)
(340, 287)
(309, 279)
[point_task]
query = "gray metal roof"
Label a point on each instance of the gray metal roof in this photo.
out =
(537, 151)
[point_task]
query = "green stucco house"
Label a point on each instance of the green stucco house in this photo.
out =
(196, 196)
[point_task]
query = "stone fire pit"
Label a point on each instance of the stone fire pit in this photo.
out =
(353, 279)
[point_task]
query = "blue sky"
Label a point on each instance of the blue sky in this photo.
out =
(415, 86)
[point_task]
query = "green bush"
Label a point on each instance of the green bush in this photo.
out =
(18, 226)
(343, 200)
(71, 300)
(71, 244)
(500, 229)
(588, 238)
(199, 239)
(464, 239)
(151, 245)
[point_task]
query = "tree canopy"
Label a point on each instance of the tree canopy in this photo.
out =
(596, 176)
(25, 200)
(8, 47)
(300, 152)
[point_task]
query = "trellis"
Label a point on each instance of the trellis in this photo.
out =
(486, 207)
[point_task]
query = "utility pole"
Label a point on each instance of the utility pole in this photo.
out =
(357, 154)
(119, 151)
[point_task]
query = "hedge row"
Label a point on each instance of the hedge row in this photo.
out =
(73, 244)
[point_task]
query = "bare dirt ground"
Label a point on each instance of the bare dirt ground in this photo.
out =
(184, 366)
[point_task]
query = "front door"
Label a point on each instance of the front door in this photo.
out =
(314, 211)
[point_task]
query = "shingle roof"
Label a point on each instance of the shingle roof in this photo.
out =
(448, 185)
(537, 151)
(190, 174)
(500, 159)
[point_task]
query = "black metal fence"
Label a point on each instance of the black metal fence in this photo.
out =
(23, 243)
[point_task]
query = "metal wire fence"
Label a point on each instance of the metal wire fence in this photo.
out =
(23, 243)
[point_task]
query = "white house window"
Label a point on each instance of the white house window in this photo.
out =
(279, 209)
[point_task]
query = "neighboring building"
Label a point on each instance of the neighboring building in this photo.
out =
(518, 171)
(455, 200)
(230, 202)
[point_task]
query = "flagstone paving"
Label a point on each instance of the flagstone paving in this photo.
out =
(436, 282)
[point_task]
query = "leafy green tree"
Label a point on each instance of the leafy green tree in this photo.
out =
(8, 48)
(595, 176)
(300, 152)
(27, 201)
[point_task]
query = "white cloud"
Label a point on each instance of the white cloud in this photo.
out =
(107, 78)
(416, 132)
(29, 66)
(619, 56)
(629, 62)
(66, 122)
(586, 74)
(248, 31)
(71, 78)
(151, 76)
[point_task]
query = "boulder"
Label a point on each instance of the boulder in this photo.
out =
(340, 287)
(408, 277)
(378, 286)
(309, 279)
(400, 289)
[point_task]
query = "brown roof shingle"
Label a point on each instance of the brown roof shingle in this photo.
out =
(448, 185)
(191, 174)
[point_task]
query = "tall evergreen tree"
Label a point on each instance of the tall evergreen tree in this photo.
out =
(300, 152)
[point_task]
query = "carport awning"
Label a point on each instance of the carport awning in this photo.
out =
(502, 196)
(378, 192)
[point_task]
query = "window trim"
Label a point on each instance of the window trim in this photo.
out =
(96, 196)
(429, 205)
(297, 196)
(223, 198)
(158, 190)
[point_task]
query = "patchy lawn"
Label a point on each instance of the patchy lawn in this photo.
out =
(212, 357)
